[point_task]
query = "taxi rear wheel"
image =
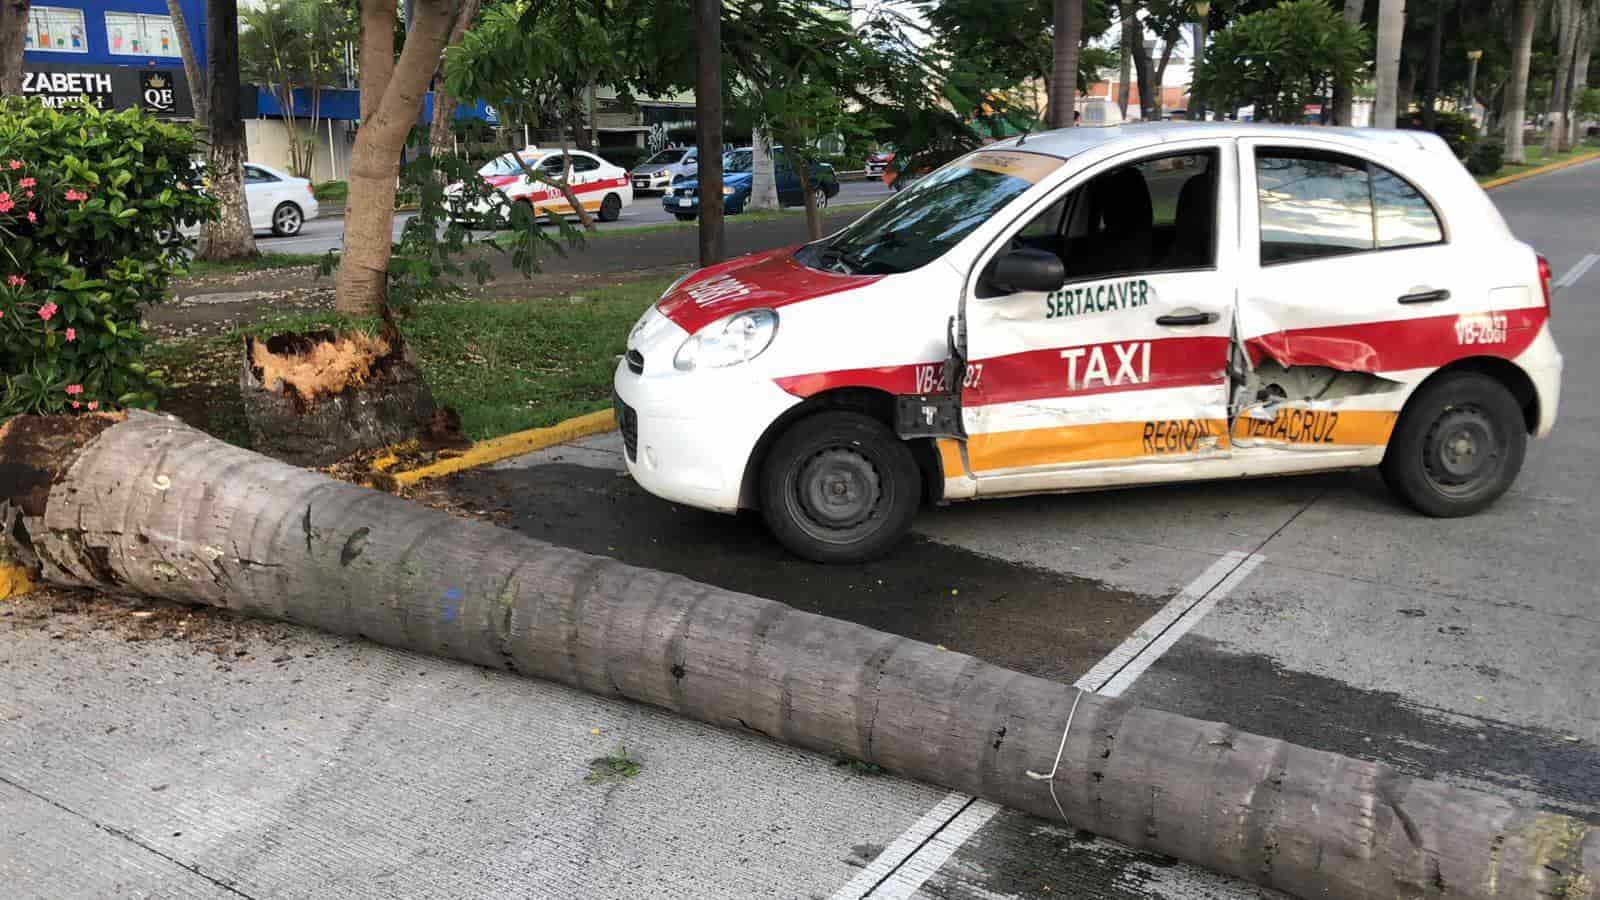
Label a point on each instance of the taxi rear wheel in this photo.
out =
(839, 487)
(1459, 445)
(611, 208)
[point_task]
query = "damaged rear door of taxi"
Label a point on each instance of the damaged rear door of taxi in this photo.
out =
(1120, 375)
(1350, 294)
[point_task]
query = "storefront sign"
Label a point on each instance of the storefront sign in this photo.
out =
(162, 92)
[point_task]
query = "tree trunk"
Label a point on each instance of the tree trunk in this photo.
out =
(1344, 93)
(1130, 34)
(594, 116)
(1169, 42)
(763, 178)
(1566, 14)
(573, 117)
(149, 506)
(13, 38)
(198, 92)
(391, 101)
(230, 237)
(813, 215)
(708, 125)
(441, 128)
(1516, 101)
(1580, 72)
(1144, 74)
(1064, 72)
(1430, 89)
(1391, 28)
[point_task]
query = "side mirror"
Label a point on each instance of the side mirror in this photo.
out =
(1027, 269)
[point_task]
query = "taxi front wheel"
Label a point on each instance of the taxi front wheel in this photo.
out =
(839, 487)
(1458, 446)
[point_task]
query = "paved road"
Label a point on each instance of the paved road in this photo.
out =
(1311, 608)
(322, 235)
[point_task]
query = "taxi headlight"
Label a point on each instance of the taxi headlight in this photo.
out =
(738, 338)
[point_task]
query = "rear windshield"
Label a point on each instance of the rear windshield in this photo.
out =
(934, 214)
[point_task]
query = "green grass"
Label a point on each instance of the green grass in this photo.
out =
(615, 767)
(332, 191)
(258, 263)
(1537, 157)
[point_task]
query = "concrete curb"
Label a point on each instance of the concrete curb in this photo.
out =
(1552, 167)
(517, 443)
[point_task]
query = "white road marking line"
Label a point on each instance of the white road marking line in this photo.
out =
(1576, 272)
(906, 844)
(914, 857)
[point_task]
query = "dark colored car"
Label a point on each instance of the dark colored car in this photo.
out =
(683, 198)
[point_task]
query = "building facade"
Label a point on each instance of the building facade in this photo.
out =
(121, 54)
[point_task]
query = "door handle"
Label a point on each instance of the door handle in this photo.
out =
(1187, 317)
(1425, 296)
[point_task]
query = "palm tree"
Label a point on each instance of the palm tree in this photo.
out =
(1517, 87)
(1064, 72)
(1391, 31)
(147, 505)
(1567, 16)
(1343, 89)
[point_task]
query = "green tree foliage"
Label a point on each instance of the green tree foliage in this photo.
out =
(1280, 59)
(85, 200)
(292, 47)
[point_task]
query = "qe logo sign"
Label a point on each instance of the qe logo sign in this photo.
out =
(155, 90)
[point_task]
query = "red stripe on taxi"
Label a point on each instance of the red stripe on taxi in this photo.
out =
(1401, 344)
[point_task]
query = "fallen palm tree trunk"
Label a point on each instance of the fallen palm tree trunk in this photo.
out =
(150, 506)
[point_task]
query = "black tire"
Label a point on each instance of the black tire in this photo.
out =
(287, 220)
(1459, 445)
(839, 487)
(684, 217)
(611, 208)
(821, 193)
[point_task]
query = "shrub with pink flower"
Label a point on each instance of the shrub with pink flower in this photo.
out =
(75, 272)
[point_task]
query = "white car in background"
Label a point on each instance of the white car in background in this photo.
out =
(659, 171)
(601, 187)
(278, 202)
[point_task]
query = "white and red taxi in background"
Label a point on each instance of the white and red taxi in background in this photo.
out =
(601, 187)
(1118, 306)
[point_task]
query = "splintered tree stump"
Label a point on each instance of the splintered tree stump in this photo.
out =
(313, 399)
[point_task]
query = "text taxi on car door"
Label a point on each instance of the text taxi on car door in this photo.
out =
(1101, 307)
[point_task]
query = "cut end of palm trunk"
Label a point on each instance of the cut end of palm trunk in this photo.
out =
(35, 452)
(316, 398)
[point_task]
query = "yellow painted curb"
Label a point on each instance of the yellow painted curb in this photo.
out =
(506, 446)
(14, 581)
(1553, 167)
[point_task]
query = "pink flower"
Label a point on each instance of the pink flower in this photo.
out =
(26, 183)
(72, 334)
(74, 388)
(6, 203)
(76, 196)
(94, 405)
(76, 404)
(32, 218)
(46, 311)
(29, 195)
(16, 281)
(16, 164)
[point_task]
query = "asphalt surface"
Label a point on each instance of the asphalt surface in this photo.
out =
(1315, 609)
(321, 235)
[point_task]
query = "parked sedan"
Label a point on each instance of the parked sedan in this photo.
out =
(683, 199)
(659, 171)
(278, 202)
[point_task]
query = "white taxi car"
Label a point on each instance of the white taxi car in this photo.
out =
(1103, 307)
(600, 187)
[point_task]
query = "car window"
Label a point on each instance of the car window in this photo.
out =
(922, 222)
(255, 175)
(1405, 218)
(581, 163)
(504, 165)
(1158, 214)
(553, 165)
(665, 157)
(738, 161)
(1316, 205)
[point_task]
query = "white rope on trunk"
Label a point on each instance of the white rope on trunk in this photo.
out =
(1051, 775)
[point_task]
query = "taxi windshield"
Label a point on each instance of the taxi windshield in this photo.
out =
(504, 165)
(931, 216)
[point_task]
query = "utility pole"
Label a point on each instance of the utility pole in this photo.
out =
(708, 125)
(1472, 79)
